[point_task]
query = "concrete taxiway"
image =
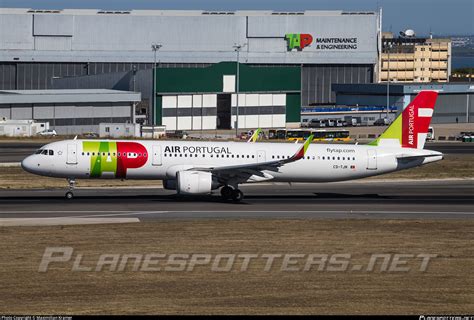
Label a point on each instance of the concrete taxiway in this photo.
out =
(435, 199)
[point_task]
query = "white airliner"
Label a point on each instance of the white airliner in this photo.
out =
(197, 167)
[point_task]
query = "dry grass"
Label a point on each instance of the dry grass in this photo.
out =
(446, 287)
(453, 166)
(17, 178)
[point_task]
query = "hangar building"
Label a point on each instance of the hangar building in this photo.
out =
(455, 101)
(286, 59)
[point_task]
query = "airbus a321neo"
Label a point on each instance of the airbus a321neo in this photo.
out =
(197, 167)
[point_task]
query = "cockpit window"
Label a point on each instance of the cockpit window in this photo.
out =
(44, 152)
(39, 151)
(51, 152)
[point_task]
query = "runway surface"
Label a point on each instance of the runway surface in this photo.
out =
(15, 152)
(359, 200)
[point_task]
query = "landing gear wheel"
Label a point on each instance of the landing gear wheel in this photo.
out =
(72, 183)
(237, 195)
(226, 192)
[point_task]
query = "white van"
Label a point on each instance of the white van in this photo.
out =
(430, 136)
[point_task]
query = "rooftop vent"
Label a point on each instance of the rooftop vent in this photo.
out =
(113, 12)
(354, 12)
(43, 11)
(287, 13)
(218, 12)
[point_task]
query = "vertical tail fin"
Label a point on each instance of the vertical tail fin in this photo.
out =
(410, 128)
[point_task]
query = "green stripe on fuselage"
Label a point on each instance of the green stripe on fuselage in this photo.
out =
(103, 157)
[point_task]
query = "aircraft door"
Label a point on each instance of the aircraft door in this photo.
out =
(371, 159)
(261, 156)
(71, 154)
(156, 156)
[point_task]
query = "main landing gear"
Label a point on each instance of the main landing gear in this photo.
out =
(230, 193)
(72, 183)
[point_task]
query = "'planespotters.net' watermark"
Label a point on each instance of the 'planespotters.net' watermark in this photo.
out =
(184, 262)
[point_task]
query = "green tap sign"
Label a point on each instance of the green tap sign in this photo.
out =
(298, 41)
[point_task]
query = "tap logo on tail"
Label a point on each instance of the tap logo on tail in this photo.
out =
(410, 128)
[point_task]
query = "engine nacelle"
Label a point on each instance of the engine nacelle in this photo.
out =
(193, 182)
(169, 184)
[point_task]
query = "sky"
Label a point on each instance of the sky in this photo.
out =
(442, 17)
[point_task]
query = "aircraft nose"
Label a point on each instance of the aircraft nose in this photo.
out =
(29, 164)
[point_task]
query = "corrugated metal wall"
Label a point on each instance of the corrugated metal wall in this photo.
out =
(37, 76)
(316, 81)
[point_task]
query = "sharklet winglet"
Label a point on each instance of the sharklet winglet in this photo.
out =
(302, 151)
(255, 135)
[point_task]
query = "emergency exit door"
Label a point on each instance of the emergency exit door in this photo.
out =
(71, 154)
(371, 159)
(156, 156)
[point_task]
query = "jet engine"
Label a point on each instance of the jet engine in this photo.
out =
(193, 182)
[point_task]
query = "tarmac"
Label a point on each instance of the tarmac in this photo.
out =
(432, 199)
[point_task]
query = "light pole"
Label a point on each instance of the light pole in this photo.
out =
(155, 47)
(389, 47)
(237, 48)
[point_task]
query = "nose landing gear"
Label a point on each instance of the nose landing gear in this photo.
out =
(72, 183)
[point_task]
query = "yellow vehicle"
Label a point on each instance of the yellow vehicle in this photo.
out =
(303, 134)
(297, 134)
(331, 135)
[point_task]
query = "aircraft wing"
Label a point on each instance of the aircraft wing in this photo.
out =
(248, 169)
